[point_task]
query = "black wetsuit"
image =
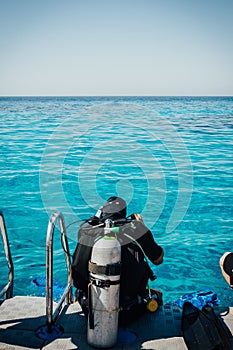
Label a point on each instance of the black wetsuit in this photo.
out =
(135, 270)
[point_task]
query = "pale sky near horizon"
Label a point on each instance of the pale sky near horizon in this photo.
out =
(116, 47)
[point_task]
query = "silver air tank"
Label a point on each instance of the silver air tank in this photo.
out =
(103, 290)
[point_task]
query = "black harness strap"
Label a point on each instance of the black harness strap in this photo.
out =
(108, 270)
(90, 308)
(103, 283)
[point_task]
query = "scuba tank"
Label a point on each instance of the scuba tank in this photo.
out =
(103, 289)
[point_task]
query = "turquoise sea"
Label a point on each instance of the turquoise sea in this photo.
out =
(169, 157)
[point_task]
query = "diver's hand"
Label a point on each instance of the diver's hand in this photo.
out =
(137, 217)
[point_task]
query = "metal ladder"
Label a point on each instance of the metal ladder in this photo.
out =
(7, 290)
(51, 316)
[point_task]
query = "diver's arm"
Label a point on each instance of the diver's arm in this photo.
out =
(153, 251)
(160, 259)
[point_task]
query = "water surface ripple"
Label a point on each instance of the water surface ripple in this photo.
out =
(170, 158)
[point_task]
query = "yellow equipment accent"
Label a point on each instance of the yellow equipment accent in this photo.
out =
(152, 305)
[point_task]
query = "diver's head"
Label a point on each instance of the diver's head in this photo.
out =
(114, 208)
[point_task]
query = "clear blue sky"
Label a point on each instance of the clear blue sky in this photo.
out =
(116, 47)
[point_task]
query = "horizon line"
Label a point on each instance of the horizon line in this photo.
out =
(115, 95)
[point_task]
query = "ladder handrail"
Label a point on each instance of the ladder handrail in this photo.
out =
(8, 288)
(50, 316)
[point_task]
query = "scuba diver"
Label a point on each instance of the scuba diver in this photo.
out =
(137, 246)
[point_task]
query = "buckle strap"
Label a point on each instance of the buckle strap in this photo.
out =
(90, 307)
(108, 270)
(103, 283)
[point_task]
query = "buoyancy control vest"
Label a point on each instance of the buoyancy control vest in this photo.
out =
(86, 238)
(135, 271)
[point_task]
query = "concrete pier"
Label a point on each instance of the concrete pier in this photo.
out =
(21, 316)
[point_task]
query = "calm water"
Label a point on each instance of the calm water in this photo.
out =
(170, 158)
